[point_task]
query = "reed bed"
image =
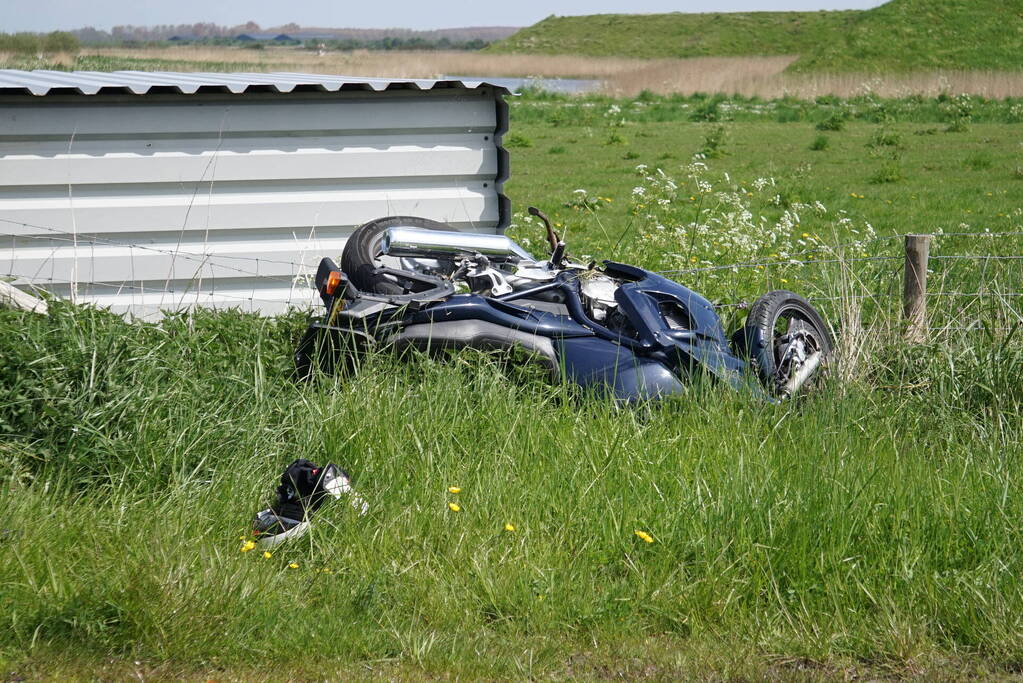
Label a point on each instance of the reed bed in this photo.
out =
(392, 64)
(623, 77)
(767, 77)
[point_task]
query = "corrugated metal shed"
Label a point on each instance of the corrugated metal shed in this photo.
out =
(143, 191)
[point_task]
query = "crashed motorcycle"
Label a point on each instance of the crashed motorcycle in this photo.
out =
(406, 283)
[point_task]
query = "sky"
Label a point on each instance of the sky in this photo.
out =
(49, 15)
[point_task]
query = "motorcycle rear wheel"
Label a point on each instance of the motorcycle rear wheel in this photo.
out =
(361, 257)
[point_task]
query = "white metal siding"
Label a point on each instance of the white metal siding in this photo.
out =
(164, 201)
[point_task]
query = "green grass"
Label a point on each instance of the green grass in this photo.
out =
(923, 35)
(871, 529)
(678, 34)
(901, 35)
(660, 134)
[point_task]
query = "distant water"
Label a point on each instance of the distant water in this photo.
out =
(571, 86)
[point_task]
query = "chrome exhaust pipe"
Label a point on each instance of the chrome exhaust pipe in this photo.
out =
(439, 244)
(797, 380)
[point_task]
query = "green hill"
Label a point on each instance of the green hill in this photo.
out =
(900, 35)
(678, 34)
(926, 34)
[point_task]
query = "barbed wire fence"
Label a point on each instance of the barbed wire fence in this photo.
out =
(969, 286)
(915, 272)
(185, 293)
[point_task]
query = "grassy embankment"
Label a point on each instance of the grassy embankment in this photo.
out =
(678, 35)
(900, 35)
(871, 529)
(901, 47)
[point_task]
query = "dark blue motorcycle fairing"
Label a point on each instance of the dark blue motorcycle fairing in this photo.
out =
(599, 365)
(648, 289)
(475, 307)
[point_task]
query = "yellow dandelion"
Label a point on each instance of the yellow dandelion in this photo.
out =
(454, 489)
(454, 507)
(293, 565)
(267, 554)
(509, 527)
(806, 235)
(247, 546)
(644, 536)
(783, 280)
(693, 259)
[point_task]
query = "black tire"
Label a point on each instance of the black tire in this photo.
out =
(362, 250)
(771, 320)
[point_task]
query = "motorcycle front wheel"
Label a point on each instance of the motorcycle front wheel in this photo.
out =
(786, 340)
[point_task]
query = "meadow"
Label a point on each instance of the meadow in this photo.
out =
(870, 529)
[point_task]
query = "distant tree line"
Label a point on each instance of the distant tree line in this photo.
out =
(252, 35)
(35, 43)
(148, 34)
(467, 38)
(394, 43)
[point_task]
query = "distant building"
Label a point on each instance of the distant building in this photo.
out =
(313, 35)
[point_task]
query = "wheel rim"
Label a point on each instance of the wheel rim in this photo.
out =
(416, 265)
(796, 337)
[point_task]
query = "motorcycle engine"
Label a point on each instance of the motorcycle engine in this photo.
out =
(598, 294)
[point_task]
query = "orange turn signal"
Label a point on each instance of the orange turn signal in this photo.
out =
(333, 280)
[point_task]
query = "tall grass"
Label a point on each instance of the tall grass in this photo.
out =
(393, 64)
(864, 523)
(766, 77)
(869, 526)
(869, 529)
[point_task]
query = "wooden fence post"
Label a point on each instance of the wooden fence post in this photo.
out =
(914, 291)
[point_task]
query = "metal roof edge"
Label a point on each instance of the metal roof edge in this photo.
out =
(41, 83)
